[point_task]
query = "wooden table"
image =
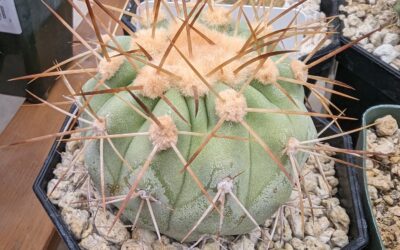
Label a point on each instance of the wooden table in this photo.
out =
(23, 222)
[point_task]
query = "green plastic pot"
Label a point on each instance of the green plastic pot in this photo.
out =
(369, 116)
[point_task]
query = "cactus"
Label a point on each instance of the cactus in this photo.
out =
(196, 124)
(221, 103)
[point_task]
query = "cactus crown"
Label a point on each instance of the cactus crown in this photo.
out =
(199, 116)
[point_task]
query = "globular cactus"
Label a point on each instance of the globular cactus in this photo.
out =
(193, 100)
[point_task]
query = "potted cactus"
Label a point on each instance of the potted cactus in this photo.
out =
(198, 118)
(380, 136)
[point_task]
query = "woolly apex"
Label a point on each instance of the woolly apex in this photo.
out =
(299, 69)
(206, 57)
(217, 16)
(232, 107)
(189, 82)
(154, 46)
(268, 73)
(163, 136)
(154, 83)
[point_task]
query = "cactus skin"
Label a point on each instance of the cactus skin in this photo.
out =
(396, 8)
(260, 186)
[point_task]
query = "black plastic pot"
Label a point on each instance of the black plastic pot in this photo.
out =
(369, 117)
(374, 81)
(348, 189)
(40, 187)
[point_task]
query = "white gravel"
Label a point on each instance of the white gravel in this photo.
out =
(384, 178)
(360, 17)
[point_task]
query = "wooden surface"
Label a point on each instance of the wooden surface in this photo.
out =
(23, 222)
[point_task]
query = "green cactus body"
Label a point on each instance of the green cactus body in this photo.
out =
(396, 8)
(259, 184)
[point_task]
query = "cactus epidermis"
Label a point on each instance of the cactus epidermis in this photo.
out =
(241, 157)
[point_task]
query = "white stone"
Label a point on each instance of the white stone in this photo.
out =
(386, 52)
(386, 126)
(349, 32)
(163, 246)
(369, 47)
(384, 146)
(340, 238)
(298, 244)
(326, 235)
(333, 181)
(144, 235)
(243, 243)
(381, 182)
(354, 20)
(313, 243)
(369, 164)
(376, 38)
(75, 199)
(134, 245)
(294, 219)
(103, 220)
(395, 211)
(211, 246)
(62, 188)
(373, 192)
(391, 38)
(76, 219)
(339, 218)
(94, 241)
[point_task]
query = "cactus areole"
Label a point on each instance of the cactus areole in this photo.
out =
(202, 151)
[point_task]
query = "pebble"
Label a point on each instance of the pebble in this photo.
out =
(103, 220)
(144, 235)
(76, 219)
(340, 238)
(386, 126)
(162, 246)
(395, 211)
(298, 244)
(392, 39)
(339, 218)
(55, 193)
(134, 245)
(313, 243)
(386, 52)
(381, 182)
(243, 243)
(94, 241)
(362, 16)
(211, 246)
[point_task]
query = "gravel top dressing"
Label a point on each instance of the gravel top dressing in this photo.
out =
(383, 175)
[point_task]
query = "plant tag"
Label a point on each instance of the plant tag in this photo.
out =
(9, 22)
